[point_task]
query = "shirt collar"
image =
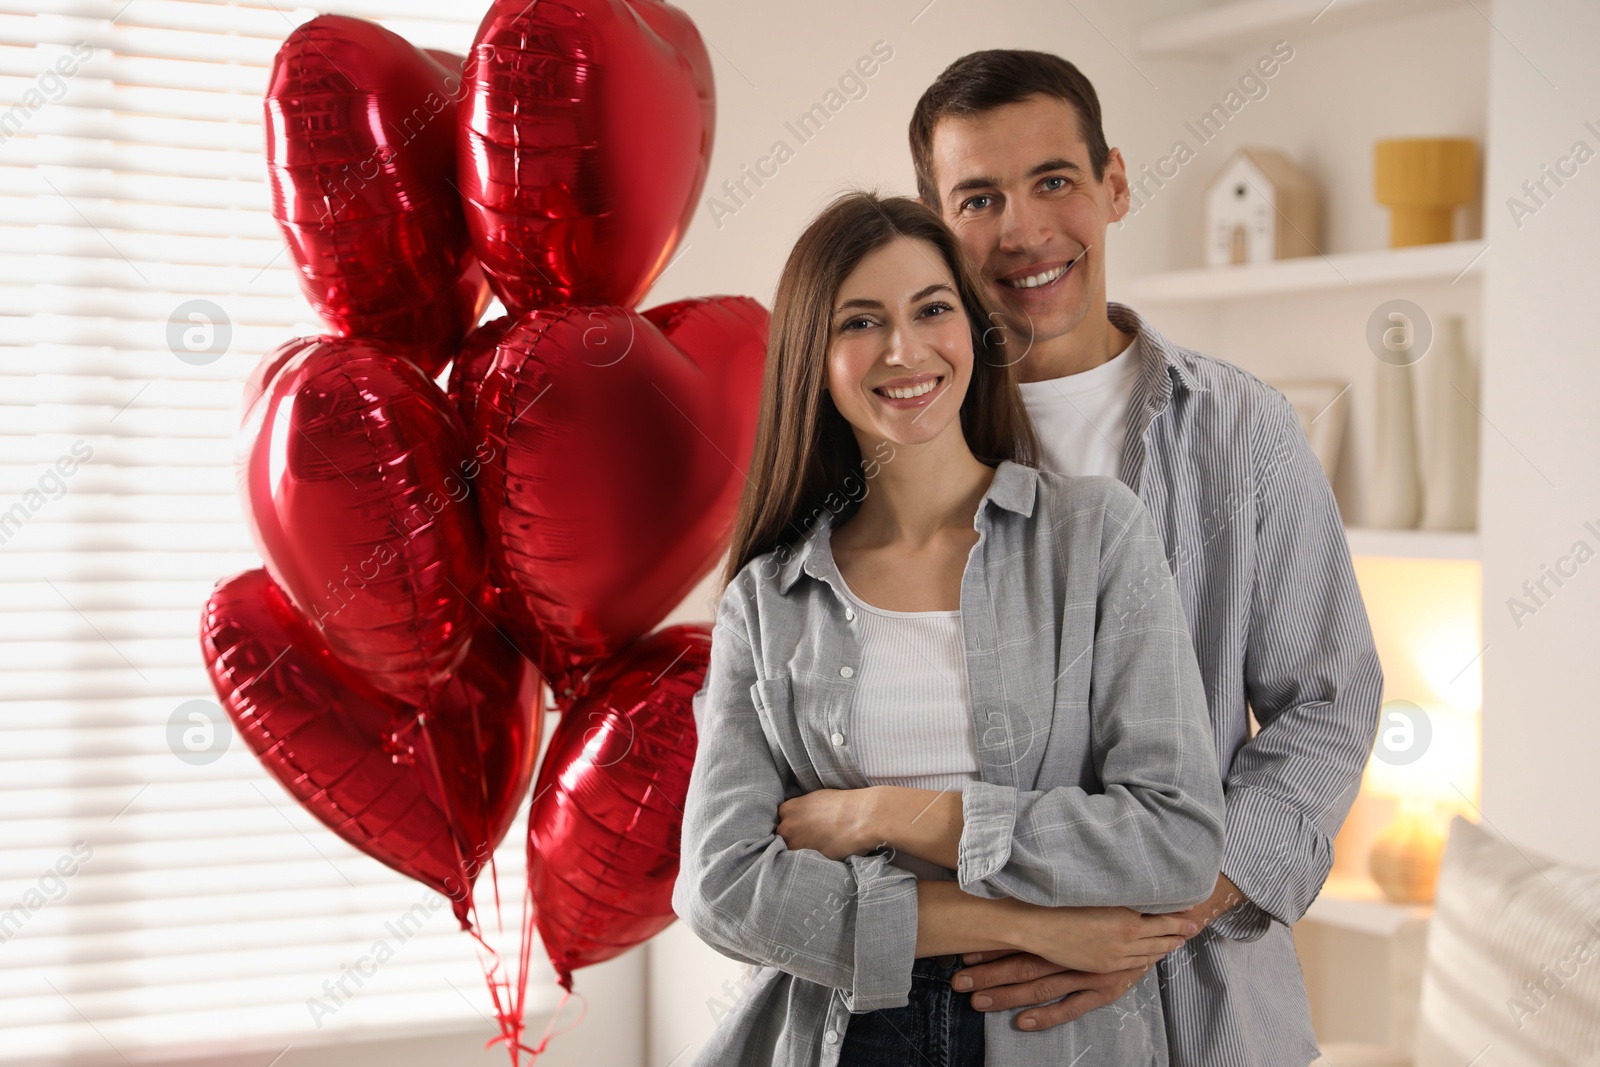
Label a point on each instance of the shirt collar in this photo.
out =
(1159, 358)
(1013, 487)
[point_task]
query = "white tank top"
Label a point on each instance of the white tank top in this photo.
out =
(911, 721)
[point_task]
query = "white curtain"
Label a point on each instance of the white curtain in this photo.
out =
(158, 892)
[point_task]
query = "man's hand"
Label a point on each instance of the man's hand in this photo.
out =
(1020, 979)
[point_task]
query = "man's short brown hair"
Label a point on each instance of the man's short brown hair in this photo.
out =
(983, 81)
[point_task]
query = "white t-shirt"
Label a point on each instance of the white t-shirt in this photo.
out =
(1082, 419)
(911, 720)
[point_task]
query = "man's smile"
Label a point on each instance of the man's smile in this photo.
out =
(1040, 275)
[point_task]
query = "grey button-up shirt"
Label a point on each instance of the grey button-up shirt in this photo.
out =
(1254, 538)
(1098, 782)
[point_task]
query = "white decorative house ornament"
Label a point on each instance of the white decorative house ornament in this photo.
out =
(1262, 207)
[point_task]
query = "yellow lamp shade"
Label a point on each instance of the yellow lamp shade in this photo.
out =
(1422, 180)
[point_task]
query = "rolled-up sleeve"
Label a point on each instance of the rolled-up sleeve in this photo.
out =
(850, 924)
(1153, 838)
(1313, 681)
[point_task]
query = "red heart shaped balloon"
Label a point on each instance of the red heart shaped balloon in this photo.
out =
(472, 363)
(357, 484)
(267, 368)
(360, 145)
(607, 813)
(584, 140)
(427, 793)
(621, 450)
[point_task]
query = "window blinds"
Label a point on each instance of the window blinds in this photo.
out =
(158, 896)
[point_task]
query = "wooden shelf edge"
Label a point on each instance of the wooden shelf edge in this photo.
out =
(1414, 544)
(1357, 905)
(1451, 261)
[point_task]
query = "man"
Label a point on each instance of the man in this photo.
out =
(1008, 148)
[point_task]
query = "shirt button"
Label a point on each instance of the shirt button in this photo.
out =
(831, 1036)
(849, 613)
(837, 738)
(845, 672)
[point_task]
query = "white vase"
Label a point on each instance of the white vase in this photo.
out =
(1394, 500)
(1450, 495)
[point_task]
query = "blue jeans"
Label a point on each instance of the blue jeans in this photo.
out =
(938, 1027)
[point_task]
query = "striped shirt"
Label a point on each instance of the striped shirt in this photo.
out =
(1254, 539)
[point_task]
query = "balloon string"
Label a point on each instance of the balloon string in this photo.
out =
(506, 999)
(547, 1035)
(452, 819)
(515, 988)
(483, 791)
(509, 994)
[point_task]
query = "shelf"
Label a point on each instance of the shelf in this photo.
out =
(1357, 905)
(1413, 544)
(1440, 262)
(1226, 29)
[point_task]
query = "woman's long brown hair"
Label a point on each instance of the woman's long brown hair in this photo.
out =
(806, 458)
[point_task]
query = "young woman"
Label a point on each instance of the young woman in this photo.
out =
(952, 702)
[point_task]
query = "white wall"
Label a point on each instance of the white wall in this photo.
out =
(1541, 484)
(772, 66)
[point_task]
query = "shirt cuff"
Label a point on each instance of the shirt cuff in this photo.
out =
(886, 934)
(989, 818)
(1242, 922)
(1276, 857)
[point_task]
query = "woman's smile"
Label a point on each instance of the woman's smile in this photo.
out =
(914, 392)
